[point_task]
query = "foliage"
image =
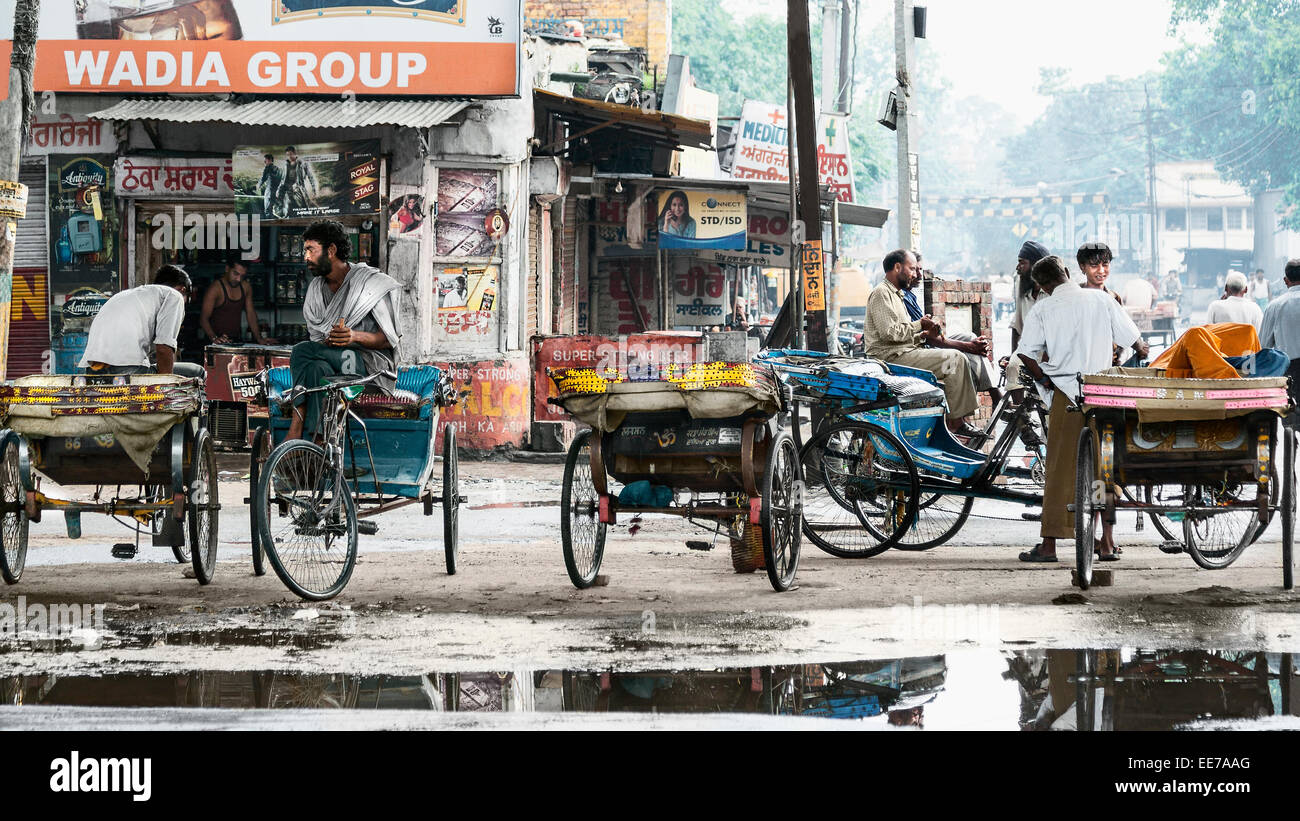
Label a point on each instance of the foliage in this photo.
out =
(1243, 90)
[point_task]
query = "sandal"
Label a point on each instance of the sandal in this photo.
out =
(1035, 556)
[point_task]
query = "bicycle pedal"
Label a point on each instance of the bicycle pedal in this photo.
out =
(1172, 547)
(367, 528)
(124, 550)
(695, 544)
(1032, 517)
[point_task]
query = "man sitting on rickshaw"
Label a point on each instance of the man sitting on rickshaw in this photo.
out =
(352, 316)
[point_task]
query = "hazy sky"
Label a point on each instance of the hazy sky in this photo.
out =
(994, 48)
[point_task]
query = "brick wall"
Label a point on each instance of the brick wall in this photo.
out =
(647, 24)
(944, 299)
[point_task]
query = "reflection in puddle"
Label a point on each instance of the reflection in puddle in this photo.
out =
(1035, 689)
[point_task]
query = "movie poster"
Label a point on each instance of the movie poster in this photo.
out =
(310, 180)
(467, 289)
(465, 198)
(406, 212)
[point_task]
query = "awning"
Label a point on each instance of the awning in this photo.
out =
(302, 113)
(585, 117)
(762, 194)
(852, 214)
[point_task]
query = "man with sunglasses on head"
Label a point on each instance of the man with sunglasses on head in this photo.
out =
(140, 324)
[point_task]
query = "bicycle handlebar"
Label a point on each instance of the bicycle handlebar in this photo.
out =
(335, 384)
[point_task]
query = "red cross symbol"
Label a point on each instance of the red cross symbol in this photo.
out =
(776, 117)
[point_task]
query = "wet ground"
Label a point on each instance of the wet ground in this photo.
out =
(672, 631)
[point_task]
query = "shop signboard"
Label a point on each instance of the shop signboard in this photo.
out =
(760, 152)
(173, 177)
(694, 220)
(638, 356)
(699, 293)
(306, 180)
(327, 47)
(767, 242)
(69, 134)
(83, 228)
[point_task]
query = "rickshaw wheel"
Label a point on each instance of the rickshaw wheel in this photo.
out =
(1085, 523)
(450, 498)
(938, 518)
(747, 551)
(582, 534)
(1288, 508)
(13, 531)
(201, 509)
(1217, 540)
(846, 512)
(256, 460)
(1169, 530)
(314, 548)
(782, 512)
(161, 493)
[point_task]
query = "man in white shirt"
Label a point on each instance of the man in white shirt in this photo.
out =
(1027, 293)
(1234, 306)
(1077, 329)
(1139, 294)
(1281, 326)
(136, 323)
(1259, 289)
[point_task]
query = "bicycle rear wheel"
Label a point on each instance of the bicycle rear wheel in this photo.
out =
(313, 547)
(1218, 537)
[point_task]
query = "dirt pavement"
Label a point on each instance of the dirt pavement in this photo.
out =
(512, 602)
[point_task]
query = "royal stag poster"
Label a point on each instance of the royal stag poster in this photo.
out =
(278, 182)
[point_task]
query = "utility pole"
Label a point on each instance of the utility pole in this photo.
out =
(804, 120)
(15, 117)
(848, 20)
(830, 32)
(1151, 190)
(909, 190)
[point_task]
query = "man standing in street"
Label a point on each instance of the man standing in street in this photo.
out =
(1027, 293)
(140, 322)
(1259, 289)
(1281, 324)
(1234, 306)
(1077, 329)
(892, 336)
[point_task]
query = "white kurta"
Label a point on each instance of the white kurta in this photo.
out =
(1235, 309)
(1077, 328)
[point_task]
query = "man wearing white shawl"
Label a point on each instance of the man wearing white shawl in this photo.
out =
(351, 311)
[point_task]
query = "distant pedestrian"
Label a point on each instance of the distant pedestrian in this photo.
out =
(1259, 289)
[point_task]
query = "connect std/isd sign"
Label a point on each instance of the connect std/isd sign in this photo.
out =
(701, 219)
(329, 47)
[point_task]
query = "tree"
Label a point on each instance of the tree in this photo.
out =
(15, 118)
(1242, 92)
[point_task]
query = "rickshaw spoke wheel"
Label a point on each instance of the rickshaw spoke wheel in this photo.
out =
(13, 529)
(314, 547)
(859, 489)
(783, 511)
(1217, 538)
(1085, 523)
(200, 509)
(450, 499)
(256, 464)
(582, 534)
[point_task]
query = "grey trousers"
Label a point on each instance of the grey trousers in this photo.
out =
(979, 366)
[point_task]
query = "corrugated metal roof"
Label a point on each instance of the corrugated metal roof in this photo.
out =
(302, 113)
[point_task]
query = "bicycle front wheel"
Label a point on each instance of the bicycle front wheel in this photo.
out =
(307, 521)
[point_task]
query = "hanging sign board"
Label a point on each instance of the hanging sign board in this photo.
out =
(814, 281)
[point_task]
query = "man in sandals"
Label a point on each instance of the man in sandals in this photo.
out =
(1076, 328)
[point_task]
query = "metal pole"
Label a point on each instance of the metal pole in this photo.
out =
(796, 291)
(909, 216)
(1151, 187)
(830, 56)
(848, 23)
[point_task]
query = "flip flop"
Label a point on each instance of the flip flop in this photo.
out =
(1107, 557)
(1035, 556)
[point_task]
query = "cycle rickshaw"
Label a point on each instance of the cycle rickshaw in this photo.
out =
(1200, 453)
(709, 440)
(139, 440)
(310, 501)
(882, 470)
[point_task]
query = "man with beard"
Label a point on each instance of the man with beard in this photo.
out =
(1026, 294)
(892, 336)
(352, 312)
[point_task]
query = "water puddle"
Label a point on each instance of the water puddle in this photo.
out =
(1125, 689)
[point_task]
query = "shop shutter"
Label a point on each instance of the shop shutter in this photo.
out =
(29, 318)
(534, 267)
(568, 273)
(33, 246)
(29, 324)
